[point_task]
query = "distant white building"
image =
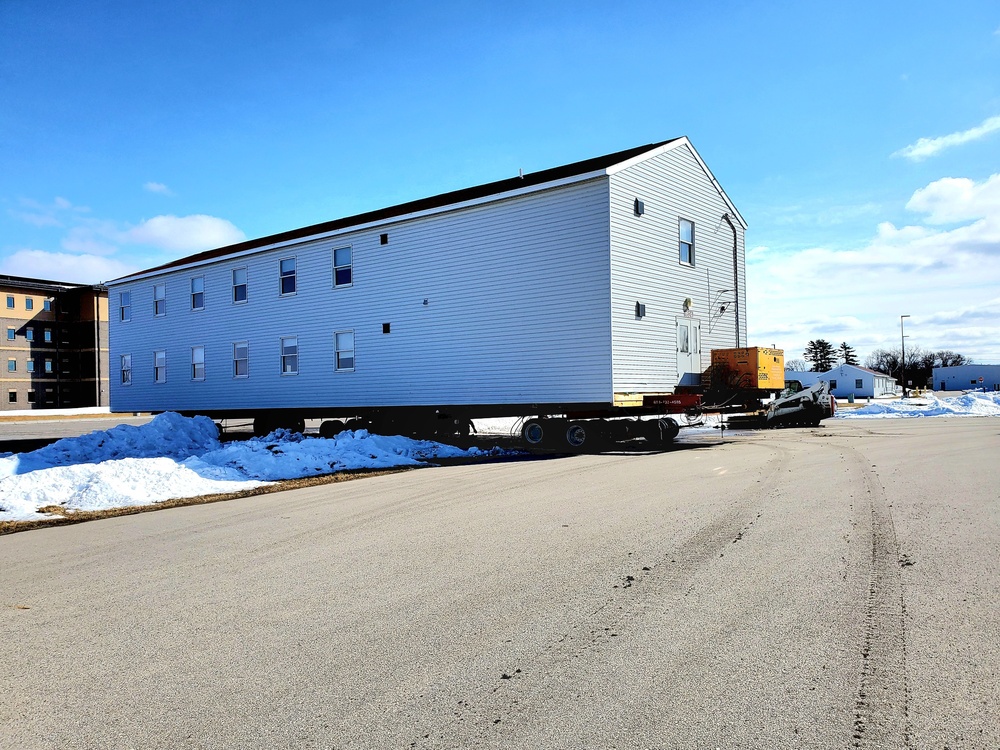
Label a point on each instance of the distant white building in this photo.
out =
(964, 377)
(848, 380)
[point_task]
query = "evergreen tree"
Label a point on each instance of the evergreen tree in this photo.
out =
(821, 354)
(847, 354)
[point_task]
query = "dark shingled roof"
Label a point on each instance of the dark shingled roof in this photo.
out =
(423, 204)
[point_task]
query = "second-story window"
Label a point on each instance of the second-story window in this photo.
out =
(29, 303)
(198, 293)
(686, 242)
(47, 305)
(287, 275)
(126, 367)
(11, 334)
(10, 302)
(29, 333)
(197, 363)
(342, 266)
(239, 285)
(290, 355)
(125, 306)
(48, 336)
(159, 299)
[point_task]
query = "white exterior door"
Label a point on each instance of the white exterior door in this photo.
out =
(688, 351)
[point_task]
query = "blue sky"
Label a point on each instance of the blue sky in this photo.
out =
(860, 140)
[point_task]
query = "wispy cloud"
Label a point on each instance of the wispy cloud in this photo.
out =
(184, 233)
(927, 147)
(53, 214)
(920, 269)
(157, 187)
(71, 267)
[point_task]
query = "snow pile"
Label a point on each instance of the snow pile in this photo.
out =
(966, 405)
(173, 457)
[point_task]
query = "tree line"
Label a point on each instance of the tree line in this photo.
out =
(820, 356)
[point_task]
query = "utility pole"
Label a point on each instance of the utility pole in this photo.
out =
(902, 353)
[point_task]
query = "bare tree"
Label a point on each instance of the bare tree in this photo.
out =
(796, 365)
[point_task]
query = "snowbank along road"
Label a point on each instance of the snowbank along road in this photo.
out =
(828, 588)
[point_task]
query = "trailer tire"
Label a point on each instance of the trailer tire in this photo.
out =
(668, 429)
(533, 433)
(576, 435)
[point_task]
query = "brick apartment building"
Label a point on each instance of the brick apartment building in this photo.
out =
(54, 339)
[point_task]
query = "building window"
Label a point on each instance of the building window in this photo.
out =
(29, 365)
(833, 385)
(11, 397)
(126, 366)
(29, 303)
(287, 275)
(241, 359)
(342, 266)
(47, 307)
(197, 363)
(198, 293)
(160, 367)
(10, 302)
(11, 365)
(29, 334)
(687, 242)
(31, 397)
(858, 383)
(48, 336)
(290, 355)
(159, 299)
(239, 285)
(125, 306)
(48, 366)
(11, 334)
(344, 345)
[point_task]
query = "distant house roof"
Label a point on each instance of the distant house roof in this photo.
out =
(27, 282)
(478, 192)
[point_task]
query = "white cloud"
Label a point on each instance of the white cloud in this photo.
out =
(79, 269)
(859, 294)
(157, 187)
(957, 199)
(54, 214)
(184, 233)
(926, 147)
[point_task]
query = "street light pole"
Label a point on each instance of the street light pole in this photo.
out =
(902, 353)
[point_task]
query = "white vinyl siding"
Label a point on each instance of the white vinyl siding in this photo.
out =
(645, 269)
(517, 311)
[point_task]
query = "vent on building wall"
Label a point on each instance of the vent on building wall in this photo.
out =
(383, 239)
(639, 207)
(640, 310)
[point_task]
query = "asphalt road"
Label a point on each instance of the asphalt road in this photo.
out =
(829, 588)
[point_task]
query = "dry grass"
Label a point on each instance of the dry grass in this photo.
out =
(65, 516)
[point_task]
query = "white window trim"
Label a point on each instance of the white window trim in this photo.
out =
(122, 307)
(193, 293)
(333, 260)
(246, 284)
(162, 299)
(294, 276)
(246, 345)
(680, 242)
(281, 355)
(336, 351)
(125, 366)
(155, 379)
(194, 363)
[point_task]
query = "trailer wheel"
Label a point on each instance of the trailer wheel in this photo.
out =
(533, 432)
(668, 429)
(576, 435)
(297, 425)
(263, 426)
(331, 428)
(356, 424)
